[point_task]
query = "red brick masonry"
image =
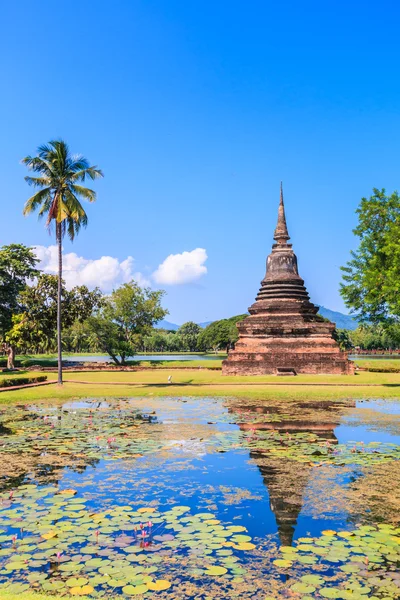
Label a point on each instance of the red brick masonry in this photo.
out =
(284, 329)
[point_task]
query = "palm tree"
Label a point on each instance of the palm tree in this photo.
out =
(59, 198)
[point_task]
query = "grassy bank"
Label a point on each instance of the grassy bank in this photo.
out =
(378, 363)
(206, 383)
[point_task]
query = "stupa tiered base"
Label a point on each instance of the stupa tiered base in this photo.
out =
(296, 347)
(284, 334)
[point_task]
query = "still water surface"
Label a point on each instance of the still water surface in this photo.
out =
(217, 486)
(146, 357)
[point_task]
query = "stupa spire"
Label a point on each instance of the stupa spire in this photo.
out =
(281, 233)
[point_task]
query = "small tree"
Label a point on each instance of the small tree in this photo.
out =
(189, 333)
(37, 327)
(127, 315)
(220, 334)
(371, 278)
(17, 265)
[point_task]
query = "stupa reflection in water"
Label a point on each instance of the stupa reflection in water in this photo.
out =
(286, 479)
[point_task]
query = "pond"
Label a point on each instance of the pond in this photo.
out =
(201, 498)
(145, 357)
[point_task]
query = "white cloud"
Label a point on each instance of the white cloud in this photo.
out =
(105, 272)
(182, 268)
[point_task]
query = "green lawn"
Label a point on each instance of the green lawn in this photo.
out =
(201, 382)
(378, 363)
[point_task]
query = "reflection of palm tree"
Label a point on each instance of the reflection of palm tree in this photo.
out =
(286, 479)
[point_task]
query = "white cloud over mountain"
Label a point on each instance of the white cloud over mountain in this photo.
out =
(182, 268)
(108, 272)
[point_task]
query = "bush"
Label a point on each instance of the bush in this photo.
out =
(21, 381)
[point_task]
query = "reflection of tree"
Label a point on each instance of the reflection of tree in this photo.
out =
(15, 470)
(286, 479)
(373, 494)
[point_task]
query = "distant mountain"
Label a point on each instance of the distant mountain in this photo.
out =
(342, 321)
(174, 327)
(166, 325)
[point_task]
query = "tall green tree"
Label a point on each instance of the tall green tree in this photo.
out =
(17, 266)
(371, 279)
(220, 334)
(35, 328)
(59, 178)
(189, 333)
(125, 318)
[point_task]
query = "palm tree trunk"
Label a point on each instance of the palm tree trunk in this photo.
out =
(59, 243)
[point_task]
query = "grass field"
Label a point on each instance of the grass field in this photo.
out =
(378, 363)
(202, 382)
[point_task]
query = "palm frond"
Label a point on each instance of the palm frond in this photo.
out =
(78, 163)
(36, 200)
(37, 164)
(45, 207)
(80, 190)
(38, 181)
(74, 208)
(90, 172)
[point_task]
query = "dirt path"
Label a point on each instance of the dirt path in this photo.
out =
(227, 384)
(10, 388)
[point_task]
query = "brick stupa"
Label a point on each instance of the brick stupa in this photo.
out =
(284, 334)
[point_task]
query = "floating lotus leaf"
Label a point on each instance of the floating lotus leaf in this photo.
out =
(159, 585)
(312, 579)
(303, 588)
(81, 591)
(53, 586)
(236, 528)
(76, 581)
(132, 590)
(215, 570)
(283, 562)
(330, 592)
(244, 546)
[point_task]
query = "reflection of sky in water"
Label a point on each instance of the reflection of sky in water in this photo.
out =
(200, 483)
(372, 431)
(388, 407)
(228, 484)
(361, 433)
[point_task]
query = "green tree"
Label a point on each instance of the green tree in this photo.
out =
(376, 337)
(80, 338)
(125, 318)
(371, 278)
(36, 328)
(220, 334)
(60, 175)
(189, 333)
(343, 338)
(17, 265)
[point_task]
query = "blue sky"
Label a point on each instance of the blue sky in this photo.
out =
(195, 111)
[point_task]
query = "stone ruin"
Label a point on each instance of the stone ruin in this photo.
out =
(284, 334)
